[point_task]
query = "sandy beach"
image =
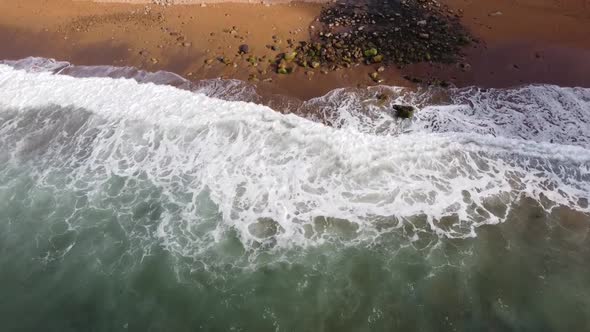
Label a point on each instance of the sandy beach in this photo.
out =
(516, 44)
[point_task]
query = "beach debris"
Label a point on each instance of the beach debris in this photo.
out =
(403, 111)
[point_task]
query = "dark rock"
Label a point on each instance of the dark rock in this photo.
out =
(403, 111)
(244, 49)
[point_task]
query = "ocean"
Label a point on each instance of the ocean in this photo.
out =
(135, 201)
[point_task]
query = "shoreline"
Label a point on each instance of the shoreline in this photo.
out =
(514, 48)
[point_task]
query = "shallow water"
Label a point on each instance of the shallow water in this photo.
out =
(136, 206)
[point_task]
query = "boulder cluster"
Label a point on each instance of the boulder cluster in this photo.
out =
(383, 32)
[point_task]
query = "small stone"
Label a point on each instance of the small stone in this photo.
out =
(375, 77)
(186, 44)
(381, 69)
(371, 52)
(244, 49)
(378, 58)
(290, 56)
(282, 71)
(154, 60)
(424, 36)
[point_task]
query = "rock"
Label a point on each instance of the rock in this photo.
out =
(378, 58)
(371, 52)
(403, 111)
(381, 69)
(186, 44)
(244, 49)
(209, 61)
(290, 56)
(154, 60)
(282, 71)
(375, 77)
(315, 64)
(421, 23)
(424, 36)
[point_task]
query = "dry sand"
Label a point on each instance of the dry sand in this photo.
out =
(522, 41)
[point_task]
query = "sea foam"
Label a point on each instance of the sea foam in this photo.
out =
(293, 180)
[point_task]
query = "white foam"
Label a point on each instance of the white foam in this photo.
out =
(257, 163)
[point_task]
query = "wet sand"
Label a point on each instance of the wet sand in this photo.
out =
(520, 42)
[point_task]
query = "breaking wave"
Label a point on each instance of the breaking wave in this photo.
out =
(175, 165)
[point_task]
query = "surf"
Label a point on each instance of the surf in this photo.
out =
(281, 177)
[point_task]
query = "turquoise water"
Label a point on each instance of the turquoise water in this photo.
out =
(136, 207)
(527, 274)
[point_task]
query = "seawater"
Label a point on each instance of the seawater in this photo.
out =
(128, 204)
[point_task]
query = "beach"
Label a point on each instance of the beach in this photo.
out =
(272, 166)
(514, 46)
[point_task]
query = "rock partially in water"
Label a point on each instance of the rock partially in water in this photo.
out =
(404, 111)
